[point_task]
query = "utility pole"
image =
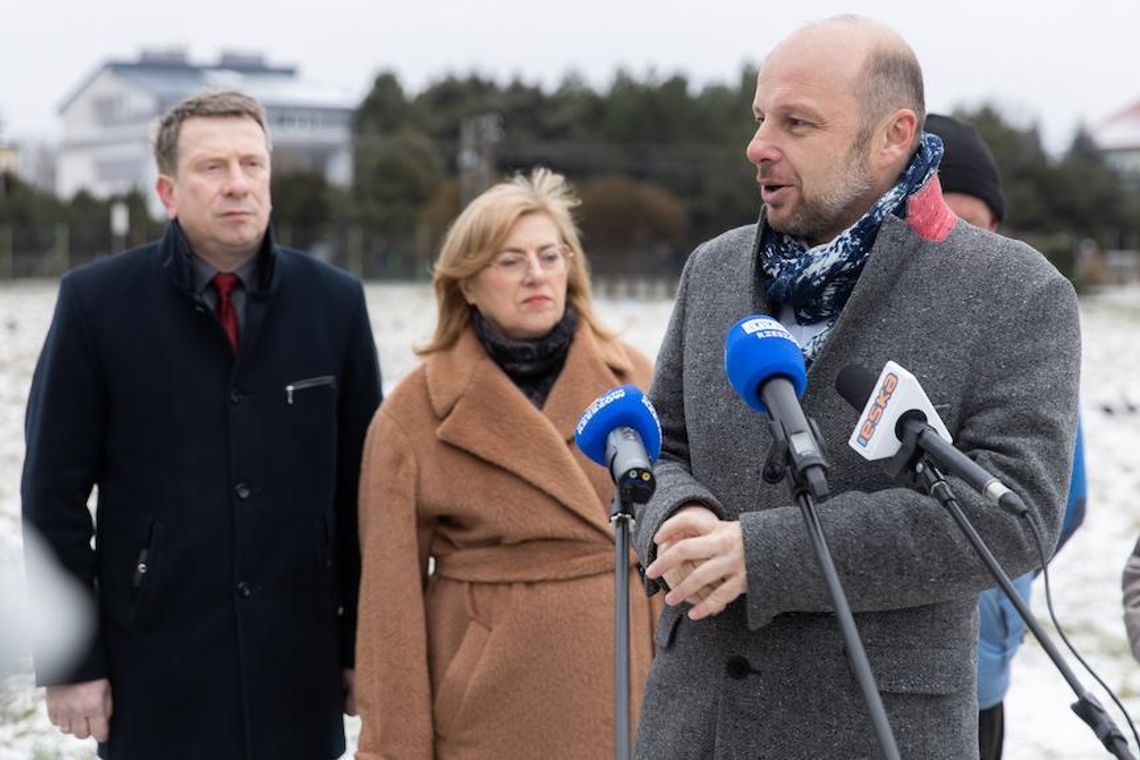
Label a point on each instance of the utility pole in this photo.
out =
(120, 225)
(3, 163)
(478, 136)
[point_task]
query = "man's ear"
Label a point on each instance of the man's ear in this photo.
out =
(898, 137)
(164, 186)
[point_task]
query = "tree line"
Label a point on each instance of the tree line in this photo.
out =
(658, 163)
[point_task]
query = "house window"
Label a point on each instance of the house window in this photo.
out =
(297, 118)
(117, 170)
(108, 110)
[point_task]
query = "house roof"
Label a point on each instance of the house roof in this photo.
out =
(1119, 132)
(171, 77)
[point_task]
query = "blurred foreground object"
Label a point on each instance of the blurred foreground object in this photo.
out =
(60, 618)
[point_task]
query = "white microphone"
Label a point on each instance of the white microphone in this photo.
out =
(895, 410)
(894, 394)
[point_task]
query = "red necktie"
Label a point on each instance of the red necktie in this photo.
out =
(224, 283)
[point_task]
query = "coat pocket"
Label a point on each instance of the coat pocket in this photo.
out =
(295, 389)
(921, 670)
(328, 571)
(667, 626)
(311, 411)
(142, 577)
(453, 687)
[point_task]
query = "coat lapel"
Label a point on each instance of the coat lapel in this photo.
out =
(260, 298)
(592, 367)
(483, 413)
(893, 246)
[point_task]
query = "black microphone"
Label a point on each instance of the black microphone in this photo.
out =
(765, 366)
(627, 457)
(620, 431)
(897, 419)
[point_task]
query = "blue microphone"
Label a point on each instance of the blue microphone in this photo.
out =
(621, 432)
(765, 366)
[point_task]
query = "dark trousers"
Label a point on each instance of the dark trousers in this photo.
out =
(991, 731)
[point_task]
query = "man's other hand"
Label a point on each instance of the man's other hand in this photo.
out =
(701, 557)
(81, 709)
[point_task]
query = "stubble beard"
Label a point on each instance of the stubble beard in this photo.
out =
(819, 214)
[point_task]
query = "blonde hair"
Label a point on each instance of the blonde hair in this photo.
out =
(475, 237)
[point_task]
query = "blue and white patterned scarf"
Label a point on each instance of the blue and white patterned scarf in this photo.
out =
(817, 281)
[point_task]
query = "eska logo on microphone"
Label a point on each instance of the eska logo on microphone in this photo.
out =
(878, 407)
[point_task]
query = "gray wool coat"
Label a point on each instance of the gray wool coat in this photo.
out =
(991, 331)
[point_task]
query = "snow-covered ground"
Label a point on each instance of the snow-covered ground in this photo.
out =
(1086, 575)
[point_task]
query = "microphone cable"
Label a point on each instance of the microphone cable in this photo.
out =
(1061, 631)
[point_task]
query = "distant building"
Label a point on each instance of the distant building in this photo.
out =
(9, 158)
(109, 120)
(1123, 267)
(1118, 139)
(37, 161)
(32, 162)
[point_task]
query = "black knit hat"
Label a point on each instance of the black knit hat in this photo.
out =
(967, 166)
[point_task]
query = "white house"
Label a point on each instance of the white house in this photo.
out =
(1118, 138)
(110, 118)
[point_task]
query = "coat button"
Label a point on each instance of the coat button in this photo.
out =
(242, 491)
(738, 668)
(244, 589)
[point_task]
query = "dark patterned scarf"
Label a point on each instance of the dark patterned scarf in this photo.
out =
(533, 365)
(817, 281)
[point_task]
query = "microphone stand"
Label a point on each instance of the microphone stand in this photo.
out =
(626, 493)
(807, 480)
(1086, 707)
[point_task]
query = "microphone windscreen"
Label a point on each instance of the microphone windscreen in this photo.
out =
(757, 349)
(623, 406)
(856, 384)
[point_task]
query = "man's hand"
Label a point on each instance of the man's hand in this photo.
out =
(348, 678)
(702, 559)
(81, 709)
(671, 532)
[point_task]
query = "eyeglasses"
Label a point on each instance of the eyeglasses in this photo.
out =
(515, 264)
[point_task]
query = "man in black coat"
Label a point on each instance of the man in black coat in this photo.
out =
(215, 388)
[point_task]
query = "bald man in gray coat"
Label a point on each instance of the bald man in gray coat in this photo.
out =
(858, 255)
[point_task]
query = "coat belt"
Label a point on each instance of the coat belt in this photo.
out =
(528, 561)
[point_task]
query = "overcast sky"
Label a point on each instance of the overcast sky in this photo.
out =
(1055, 64)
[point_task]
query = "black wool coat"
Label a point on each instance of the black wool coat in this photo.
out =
(226, 564)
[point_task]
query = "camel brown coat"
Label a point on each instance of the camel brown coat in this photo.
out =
(506, 649)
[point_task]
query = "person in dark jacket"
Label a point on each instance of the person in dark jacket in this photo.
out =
(215, 388)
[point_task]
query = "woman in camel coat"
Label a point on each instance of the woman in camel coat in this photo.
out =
(486, 602)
